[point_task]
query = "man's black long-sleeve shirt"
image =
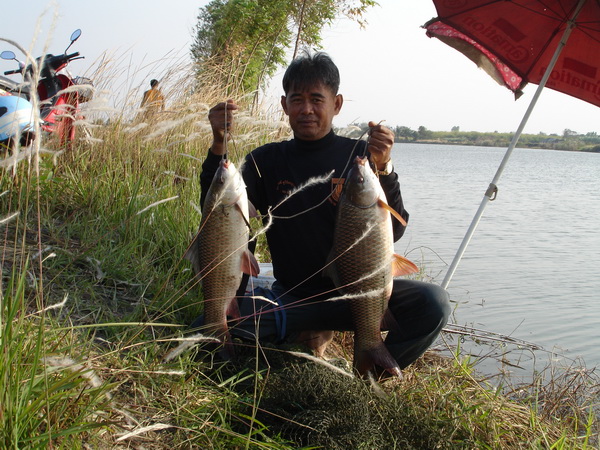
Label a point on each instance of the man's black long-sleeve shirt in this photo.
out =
(301, 233)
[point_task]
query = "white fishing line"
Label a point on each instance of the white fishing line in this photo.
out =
(155, 427)
(310, 182)
(187, 343)
(196, 207)
(9, 217)
(321, 362)
(264, 299)
(58, 362)
(191, 157)
(156, 204)
(56, 305)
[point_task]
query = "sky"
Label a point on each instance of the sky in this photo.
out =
(390, 70)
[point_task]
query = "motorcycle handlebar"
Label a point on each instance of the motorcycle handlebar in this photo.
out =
(55, 62)
(58, 59)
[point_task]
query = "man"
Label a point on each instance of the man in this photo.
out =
(153, 100)
(301, 233)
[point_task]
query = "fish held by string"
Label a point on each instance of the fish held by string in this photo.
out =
(362, 264)
(219, 253)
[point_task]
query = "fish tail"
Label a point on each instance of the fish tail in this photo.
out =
(227, 352)
(369, 360)
(226, 348)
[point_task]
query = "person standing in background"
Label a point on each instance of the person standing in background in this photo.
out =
(153, 101)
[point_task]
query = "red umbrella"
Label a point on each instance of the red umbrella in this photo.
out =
(514, 41)
(554, 43)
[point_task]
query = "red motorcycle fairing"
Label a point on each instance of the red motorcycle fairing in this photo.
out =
(58, 109)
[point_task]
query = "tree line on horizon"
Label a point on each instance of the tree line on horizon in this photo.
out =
(569, 140)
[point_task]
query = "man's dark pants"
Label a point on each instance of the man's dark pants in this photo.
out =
(421, 311)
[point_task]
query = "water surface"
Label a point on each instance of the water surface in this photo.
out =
(531, 269)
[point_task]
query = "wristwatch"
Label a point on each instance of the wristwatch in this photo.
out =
(389, 168)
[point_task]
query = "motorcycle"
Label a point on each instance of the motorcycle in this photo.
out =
(58, 102)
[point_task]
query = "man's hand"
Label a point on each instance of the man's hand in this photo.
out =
(381, 140)
(220, 117)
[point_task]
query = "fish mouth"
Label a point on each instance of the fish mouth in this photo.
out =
(358, 172)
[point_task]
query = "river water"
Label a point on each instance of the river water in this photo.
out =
(531, 271)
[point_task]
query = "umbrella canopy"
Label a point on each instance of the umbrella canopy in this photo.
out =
(514, 41)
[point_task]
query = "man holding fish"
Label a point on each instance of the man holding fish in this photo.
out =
(331, 218)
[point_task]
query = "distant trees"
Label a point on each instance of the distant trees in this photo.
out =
(240, 43)
(569, 141)
(423, 133)
(579, 142)
(405, 134)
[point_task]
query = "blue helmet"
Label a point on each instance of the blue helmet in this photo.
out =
(16, 116)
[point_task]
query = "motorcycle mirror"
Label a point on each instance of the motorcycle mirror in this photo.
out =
(74, 36)
(8, 55)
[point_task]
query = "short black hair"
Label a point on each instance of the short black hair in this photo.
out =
(153, 83)
(308, 70)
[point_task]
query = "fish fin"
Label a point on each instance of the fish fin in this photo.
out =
(368, 359)
(191, 254)
(227, 352)
(392, 211)
(252, 212)
(243, 213)
(402, 266)
(389, 322)
(233, 309)
(250, 264)
(224, 349)
(315, 340)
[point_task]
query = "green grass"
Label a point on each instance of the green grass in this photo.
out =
(95, 291)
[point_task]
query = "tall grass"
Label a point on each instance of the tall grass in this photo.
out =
(46, 396)
(95, 292)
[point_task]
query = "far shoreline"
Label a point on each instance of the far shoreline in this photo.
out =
(594, 149)
(569, 140)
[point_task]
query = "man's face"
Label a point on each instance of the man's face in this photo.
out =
(311, 111)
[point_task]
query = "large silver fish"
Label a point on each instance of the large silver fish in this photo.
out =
(362, 263)
(219, 253)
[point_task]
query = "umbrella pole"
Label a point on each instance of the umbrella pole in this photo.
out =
(490, 193)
